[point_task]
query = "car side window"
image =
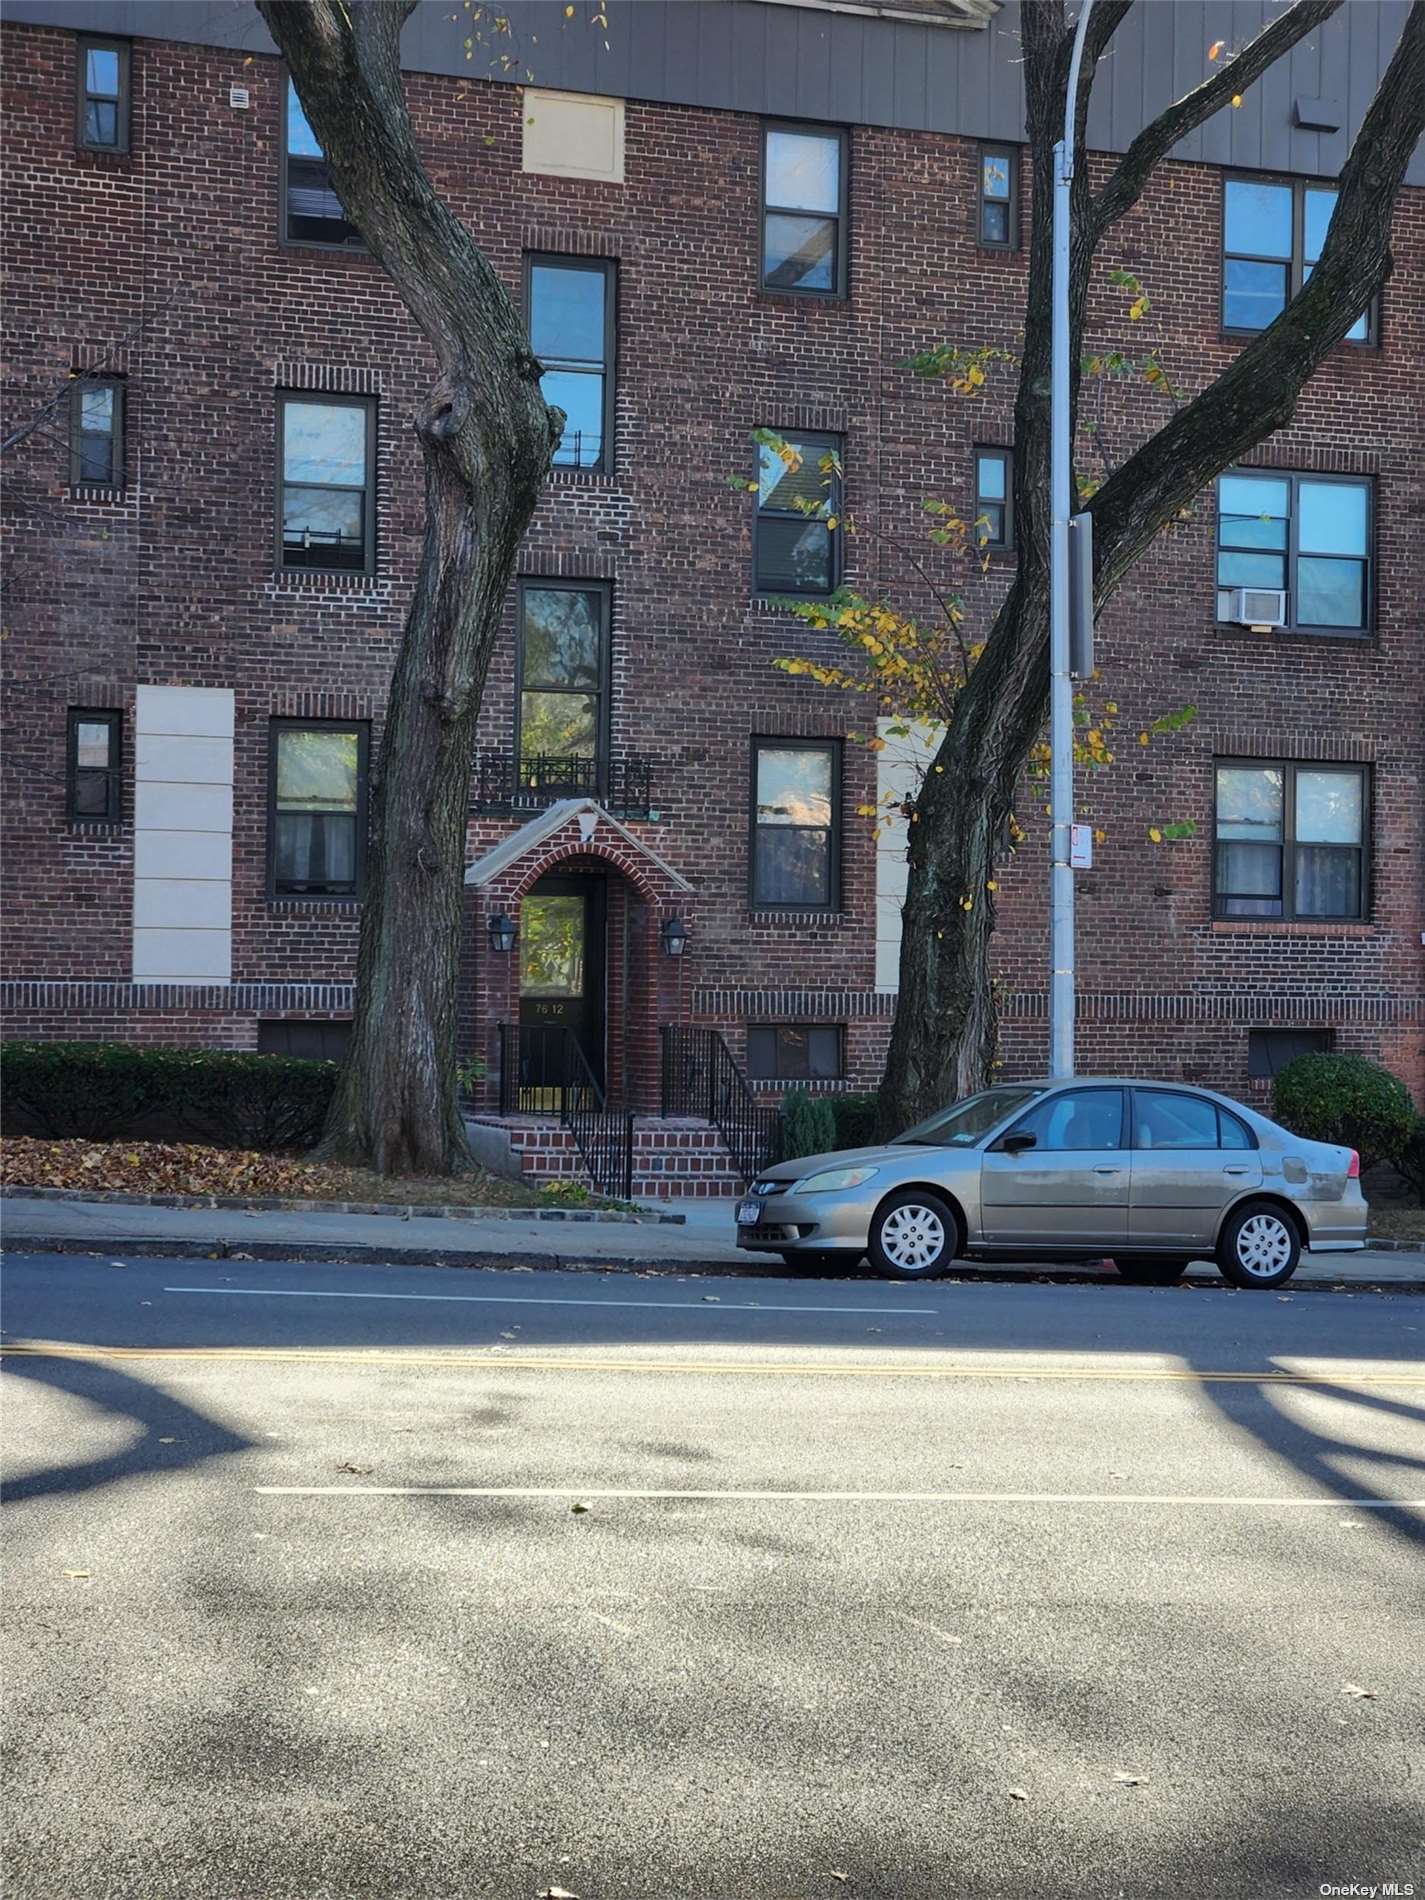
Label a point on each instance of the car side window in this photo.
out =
(1234, 1134)
(1077, 1119)
(1173, 1121)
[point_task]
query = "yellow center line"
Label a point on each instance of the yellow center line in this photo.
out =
(378, 1358)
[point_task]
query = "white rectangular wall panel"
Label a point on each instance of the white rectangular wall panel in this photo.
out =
(183, 834)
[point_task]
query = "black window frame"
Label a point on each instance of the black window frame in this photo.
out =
(1289, 769)
(335, 399)
(112, 773)
(608, 267)
(1295, 479)
(1295, 264)
(841, 276)
(824, 442)
(1224, 1116)
(771, 742)
(329, 1028)
(123, 116)
(1010, 153)
(362, 729)
(988, 452)
(603, 592)
(1262, 1065)
(349, 247)
(779, 1073)
(77, 478)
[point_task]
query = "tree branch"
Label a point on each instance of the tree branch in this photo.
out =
(1155, 141)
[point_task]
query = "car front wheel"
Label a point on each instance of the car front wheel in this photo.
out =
(1259, 1246)
(915, 1236)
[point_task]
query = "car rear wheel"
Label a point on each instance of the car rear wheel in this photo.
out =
(1259, 1246)
(914, 1236)
(1151, 1272)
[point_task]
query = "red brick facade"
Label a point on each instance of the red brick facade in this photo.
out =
(171, 251)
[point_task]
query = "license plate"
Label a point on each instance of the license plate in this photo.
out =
(749, 1213)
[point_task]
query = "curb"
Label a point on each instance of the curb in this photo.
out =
(360, 1255)
(405, 1210)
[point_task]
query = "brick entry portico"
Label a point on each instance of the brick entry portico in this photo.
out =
(641, 987)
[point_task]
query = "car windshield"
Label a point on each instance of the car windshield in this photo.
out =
(964, 1124)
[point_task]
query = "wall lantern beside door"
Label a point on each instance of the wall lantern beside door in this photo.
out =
(502, 933)
(674, 933)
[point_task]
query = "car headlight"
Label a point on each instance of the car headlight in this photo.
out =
(832, 1181)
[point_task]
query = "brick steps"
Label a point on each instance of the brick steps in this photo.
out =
(670, 1157)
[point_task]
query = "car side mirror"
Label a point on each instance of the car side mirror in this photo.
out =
(1016, 1144)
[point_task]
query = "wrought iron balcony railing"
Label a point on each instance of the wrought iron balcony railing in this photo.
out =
(504, 781)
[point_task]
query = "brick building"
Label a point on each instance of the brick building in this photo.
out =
(736, 216)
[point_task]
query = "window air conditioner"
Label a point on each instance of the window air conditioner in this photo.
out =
(1258, 606)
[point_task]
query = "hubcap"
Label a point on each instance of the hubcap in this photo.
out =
(1263, 1244)
(913, 1237)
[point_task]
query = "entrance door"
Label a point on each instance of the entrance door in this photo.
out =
(562, 927)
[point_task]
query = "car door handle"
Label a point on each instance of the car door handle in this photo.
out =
(1236, 1170)
(1108, 1170)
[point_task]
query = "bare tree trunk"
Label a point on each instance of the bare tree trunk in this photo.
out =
(487, 437)
(944, 1035)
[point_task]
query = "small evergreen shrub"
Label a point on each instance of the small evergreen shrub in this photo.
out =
(100, 1091)
(1347, 1100)
(1410, 1163)
(808, 1125)
(855, 1119)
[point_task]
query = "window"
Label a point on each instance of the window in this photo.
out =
(96, 433)
(994, 498)
(311, 210)
(1078, 1119)
(92, 765)
(327, 459)
(797, 535)
(796, 824)
(1307, 534)
(1162, 1120)
(1291, 841)
(571, 326)
(317, 809)
(1272, 234)
(313, 1041)
(999, 198)
(103, 95)
(804, 210)
(785, 1052)
(1269, 1050)
(563, 674)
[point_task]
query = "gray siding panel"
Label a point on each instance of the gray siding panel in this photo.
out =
(804, 63)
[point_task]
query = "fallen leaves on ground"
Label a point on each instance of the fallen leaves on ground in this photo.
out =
(1355, 1689)
(163, 1167)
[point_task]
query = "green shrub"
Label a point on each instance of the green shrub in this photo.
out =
(1410, 1163)
(855, 1119)
(808, 1125)
(99, 1091)
(1348, 1100)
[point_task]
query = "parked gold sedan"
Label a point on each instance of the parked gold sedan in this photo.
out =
(1153, 1174)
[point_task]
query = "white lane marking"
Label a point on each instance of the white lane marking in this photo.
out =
(821, 1497)
(512, 1299)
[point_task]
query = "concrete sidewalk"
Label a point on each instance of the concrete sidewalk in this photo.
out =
(704, 1240)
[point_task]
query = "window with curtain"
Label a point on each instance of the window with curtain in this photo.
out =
(317, 810)
(571, 325)
(1290, 840)
(1307, 534)
(1273, 230)
(804, 209)
(796, 800)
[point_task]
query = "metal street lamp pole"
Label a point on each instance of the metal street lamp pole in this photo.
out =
(1061, 692)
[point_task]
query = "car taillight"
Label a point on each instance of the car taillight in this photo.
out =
(1353, 1172)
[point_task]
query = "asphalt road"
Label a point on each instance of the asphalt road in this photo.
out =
(356, 1583)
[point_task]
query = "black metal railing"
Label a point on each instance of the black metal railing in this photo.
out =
(701, 1077)
(544, 1070)
(506, 781)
